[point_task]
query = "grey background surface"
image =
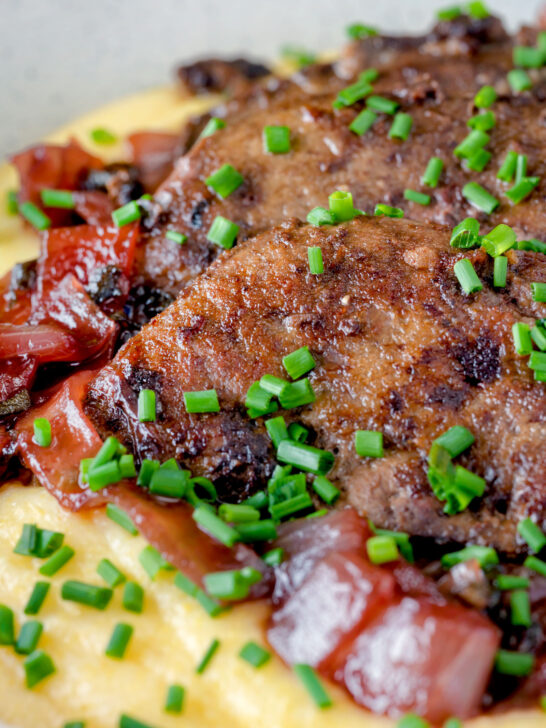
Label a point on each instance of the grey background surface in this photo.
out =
(61, 58)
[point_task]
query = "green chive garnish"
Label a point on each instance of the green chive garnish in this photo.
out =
(466, 234)
(483, 122)
(57, 561)
(522, 189)
(213, 525)
(274, 557)
(38, 665)
(506, 582)
(115, 514)
(297, 394)
(133, 597)
(387, 210)
(273, 385)
(519, 80)
(252, 532)
(508, 168)
(500, 271)
(471, 144)
(207, 657)
(382, 105)
(539, 291)
(102, 136)
(314, 255)
(127, 214)
(254, 654)
(514, 663)
(200, 402)
(382, 549)
(87, 594)
(369, 444)
(480, 197)
(522, 338)
(485, 97)
(467, 276)
(213, 125)
(231, 585)
(126, 721)
(29, 636)
(411, 720)
(538, 335)
(37, 597)
(479, 161)
(223, 232)
(169, 483)
(290, 506)
(110, 573)
(325, 490)
(527, 57)
(153, 562)
(238, 513)
(312, 684)
(320, 216)
(353, 93)
(58, 198)
(341, 205)
(12, 204)
(357, 31)
(363, 122)
(484, 555)
(42, 432)
(531, 562)
(103, 475)
(28, 541)
(532, 535)
(537, 361)
(7, 626)
(276, 139)
(305, 457)
(175, 699)
(520, 608)
(448, 14)
(298, 362)
(176, 237)
(419, 197)
(146, 405)
(34, 216)
(119, 641)
(433, 171)
(499, 240)
(401, 126)
(225, 180)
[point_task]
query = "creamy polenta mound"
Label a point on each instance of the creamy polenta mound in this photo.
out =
(173, 632)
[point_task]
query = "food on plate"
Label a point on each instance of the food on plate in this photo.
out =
(273, 397)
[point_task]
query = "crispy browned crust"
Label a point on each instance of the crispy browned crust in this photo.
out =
(399, 349)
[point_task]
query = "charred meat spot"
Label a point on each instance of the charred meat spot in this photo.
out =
(196, 217)
(120, 181)
(216, 74)
(143, 303)
(447, 396)
(350, 327)
(142, 378)
(23, 276)
(196, 325)
(105, 283)
(480, 359)
(395, 401)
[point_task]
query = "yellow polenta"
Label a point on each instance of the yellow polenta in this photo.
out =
(173, 632)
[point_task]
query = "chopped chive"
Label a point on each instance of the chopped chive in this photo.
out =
(411, 720)
(34, 216)
(382, 549)
(520, 608)
(531, 562)
(133, 597)
(176, 237)
(254, 654)
(341, 205)
(521, 167)
(7, 626)
(238, 513)
(127, 214)
(47, 542)
(519, 80)
(297, 394)
(259, 399)
(290, 506)
(119, 516)
(483, 122)
(169, 483)
(369, 444)
(223, 232)
(433, 171)
(207, 657)
(213, 125)
(146, 405)
(274, 557)
(127, 466)
(505, 582)
(231, 585)
(357, 31)
(521, 189)
(207, 491)
(480, 197)
(214, 526)
(325, 490)
(314, 255)
(448, 14)
(353, 93)
(466, 234)
(538, 335)
(508, 168)
(479, 161)
(153, 562)
(485, 97)
(500, 271)
(28, 540)
(264, 530)
(312, 684)
(29, 636)
(103, 475)
(276, 139)
(110, 573)
(539, 291)
(87, 594)
(467, 276)
(297, 432)
(320, 216)
(258, 500)
(388, 211)
(298, 362)
(471, 144)
(42, 432)
(211, 606)
(363, 122)
(298, 56)
(254, 412)
(119, 641)
(175, 699)
(522, 338)
(478, 10)
(109, 449)
(382, 105)
(401, 539)
(518, 664)
(537, 246)
(37, 598)
(305, 457)
(225, 180)
(75, 724)
(401, 126)
(499, 240)
(147, 469)
(38, 665)
(539, 376)
(126, 721)
(277, 430)
(527, 57)
(419, 197)
(537, 361)
(102, 136)
(12, 205)
(58, 198)
(484, 555)
(57, 561)
(200, 402)
(532, 535)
